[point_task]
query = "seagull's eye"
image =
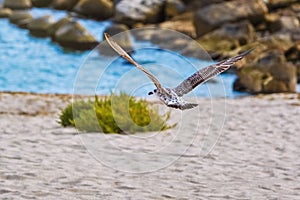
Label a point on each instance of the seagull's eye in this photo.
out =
(155, 90)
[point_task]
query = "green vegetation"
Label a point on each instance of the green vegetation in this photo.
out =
(114, 114)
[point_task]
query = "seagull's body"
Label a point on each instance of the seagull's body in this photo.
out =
(172, 97)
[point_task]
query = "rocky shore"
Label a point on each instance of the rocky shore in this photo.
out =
(256, 156)
(222, 27)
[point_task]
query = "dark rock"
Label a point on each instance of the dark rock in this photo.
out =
(23, 23)
(20, 18)
(17, 4)
(237, 86)
(275, 4)
(173, 8)
(293, 55)
(213, 16)
(182, 23)
(64, 4)
(41, 3)
(285, 22)
(297, 65)
(52, 29)
(193, 5)
(268, 73)
(123, 39)
(230, 36)
(100, 9)
(273, 22)
(116, 29)
(39, 27)
(5, 12)
(74, 36)
(130, 12)
(115, 2)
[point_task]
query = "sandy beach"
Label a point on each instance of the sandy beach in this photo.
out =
(242, 148)
(256, 156)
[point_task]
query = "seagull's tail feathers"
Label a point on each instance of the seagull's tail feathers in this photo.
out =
(188, 106)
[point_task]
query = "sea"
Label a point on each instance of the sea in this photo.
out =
(37, 65)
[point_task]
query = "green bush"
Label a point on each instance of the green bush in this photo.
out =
(114, 114)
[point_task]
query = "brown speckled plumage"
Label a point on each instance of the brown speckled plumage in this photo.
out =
(172, 97)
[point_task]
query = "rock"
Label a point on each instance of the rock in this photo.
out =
(100, 9)
(268, 73)
(171, 40)
(275, 4)
(273, 22)
(295, 8)
(17, 4)
(51, 30)
(117, 28)
(39, 27)
(213, 16)
(123, 39)
(182, 23)
(221, 42)
(293, 55)
(297, 65)
(20, 18)
(263, 45)
(74, 36)
(193, 5)
(5, 12)
(284, 22)
(130, 12)
(249, 80)
(23, 23)
(64, 4)
(41, 3)
(115, 2)
(173, 8)
(144, 34)
(167, 39)
(194, 50)
(289, 22)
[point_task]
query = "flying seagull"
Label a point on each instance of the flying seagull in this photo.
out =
(172, 97)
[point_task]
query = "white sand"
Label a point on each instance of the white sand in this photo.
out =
(257, 155)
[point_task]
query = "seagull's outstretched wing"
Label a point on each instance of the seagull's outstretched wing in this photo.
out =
(126, 56)
(207, 73)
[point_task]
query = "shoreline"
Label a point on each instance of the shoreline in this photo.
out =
(11, 100)
(82, 95)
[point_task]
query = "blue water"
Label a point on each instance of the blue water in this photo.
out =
(31, 64)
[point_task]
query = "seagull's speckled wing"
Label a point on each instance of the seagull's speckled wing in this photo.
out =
(125, 55)
(207, 73)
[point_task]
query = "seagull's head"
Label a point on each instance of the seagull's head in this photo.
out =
(152, 92)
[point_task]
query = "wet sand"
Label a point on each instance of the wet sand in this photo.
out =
(256, 156)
